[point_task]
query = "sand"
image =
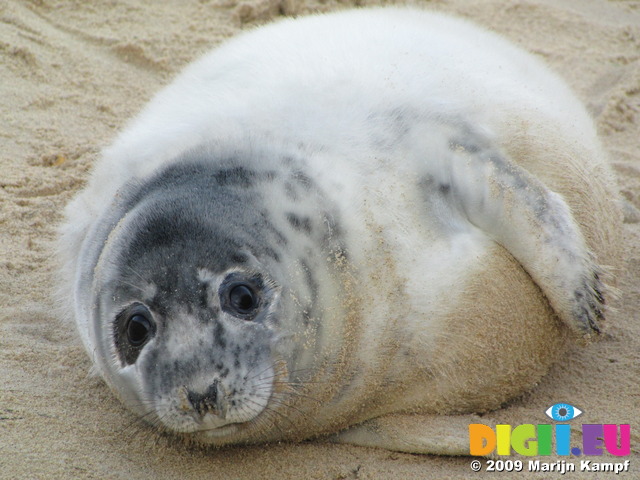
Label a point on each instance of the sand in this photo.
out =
(73, 72)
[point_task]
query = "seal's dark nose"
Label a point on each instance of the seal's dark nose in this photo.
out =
(206, 402)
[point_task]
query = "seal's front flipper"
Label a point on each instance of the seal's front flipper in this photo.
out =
(478, 184)
(424, 434)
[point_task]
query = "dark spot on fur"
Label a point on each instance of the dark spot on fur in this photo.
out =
(203, 303)
(219, 335)
(237, 176)
(266, 224)
(306, 316)
(270, 175)
(311, 281)
(299, 223)
(302, 179)
(239, 258)
(272, 253)
(290, 192)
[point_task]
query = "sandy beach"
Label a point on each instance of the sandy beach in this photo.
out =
(72, 73)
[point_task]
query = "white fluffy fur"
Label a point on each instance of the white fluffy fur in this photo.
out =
(328, 88)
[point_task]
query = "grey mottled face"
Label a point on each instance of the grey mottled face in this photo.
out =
(204, 283)
(201, 340)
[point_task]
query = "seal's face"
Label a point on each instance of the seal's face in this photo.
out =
(189, 309)
(199, 346)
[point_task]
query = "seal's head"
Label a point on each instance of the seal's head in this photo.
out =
(189, 323)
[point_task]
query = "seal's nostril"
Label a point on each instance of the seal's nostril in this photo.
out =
(205, 402)
(212, 392)
(195, 399)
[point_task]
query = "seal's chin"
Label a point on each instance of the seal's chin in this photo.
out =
(215, 432)
(204, 428)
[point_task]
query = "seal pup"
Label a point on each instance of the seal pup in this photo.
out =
(371, 224)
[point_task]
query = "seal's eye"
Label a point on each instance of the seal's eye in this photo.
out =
(133, 328)
(243, 299)
(138, 330)
(241, 296)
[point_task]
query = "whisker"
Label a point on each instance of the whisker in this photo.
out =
(301, 395)
(276, 412)
(271, 366)
(136, 273)
(137, 287)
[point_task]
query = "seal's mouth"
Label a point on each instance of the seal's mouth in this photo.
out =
(212, 429)
(230, 432)
(224, 431)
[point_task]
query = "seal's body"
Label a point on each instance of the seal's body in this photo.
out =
(337, 219)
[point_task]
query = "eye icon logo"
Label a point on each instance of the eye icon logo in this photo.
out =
(563, 412)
